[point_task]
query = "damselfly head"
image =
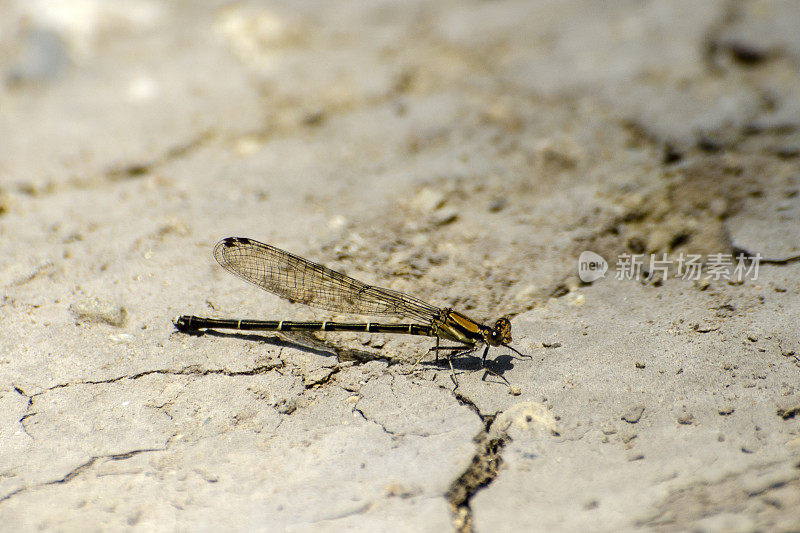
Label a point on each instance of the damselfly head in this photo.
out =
(501, 333)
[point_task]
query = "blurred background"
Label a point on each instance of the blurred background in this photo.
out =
(481, 133)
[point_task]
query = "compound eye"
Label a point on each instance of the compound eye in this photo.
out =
(502, 330)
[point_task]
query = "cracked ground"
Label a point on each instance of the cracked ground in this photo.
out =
(462, 152)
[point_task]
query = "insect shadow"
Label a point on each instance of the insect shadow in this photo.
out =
(299, 341)
(464, 362)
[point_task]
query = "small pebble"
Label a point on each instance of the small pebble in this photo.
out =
(428, 199)
(96, 310)
(286, 406)
(632, 415)
(750, 447)
(702, 284)
(497, 205)
(445, 216)
(789, 412)
(591, 504)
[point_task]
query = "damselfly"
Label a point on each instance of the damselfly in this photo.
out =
(302, 281)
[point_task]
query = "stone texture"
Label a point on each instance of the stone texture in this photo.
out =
(463, 152)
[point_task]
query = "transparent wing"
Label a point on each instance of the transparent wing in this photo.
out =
(299, 280)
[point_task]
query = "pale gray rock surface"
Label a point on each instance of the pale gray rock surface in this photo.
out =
(463, 152)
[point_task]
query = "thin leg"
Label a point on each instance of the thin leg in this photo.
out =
(450, 362)
(452, 372)
(436, 349)
(518, 352)
(418, 360)
(512, 390)
(492, 372)
(469, 349)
